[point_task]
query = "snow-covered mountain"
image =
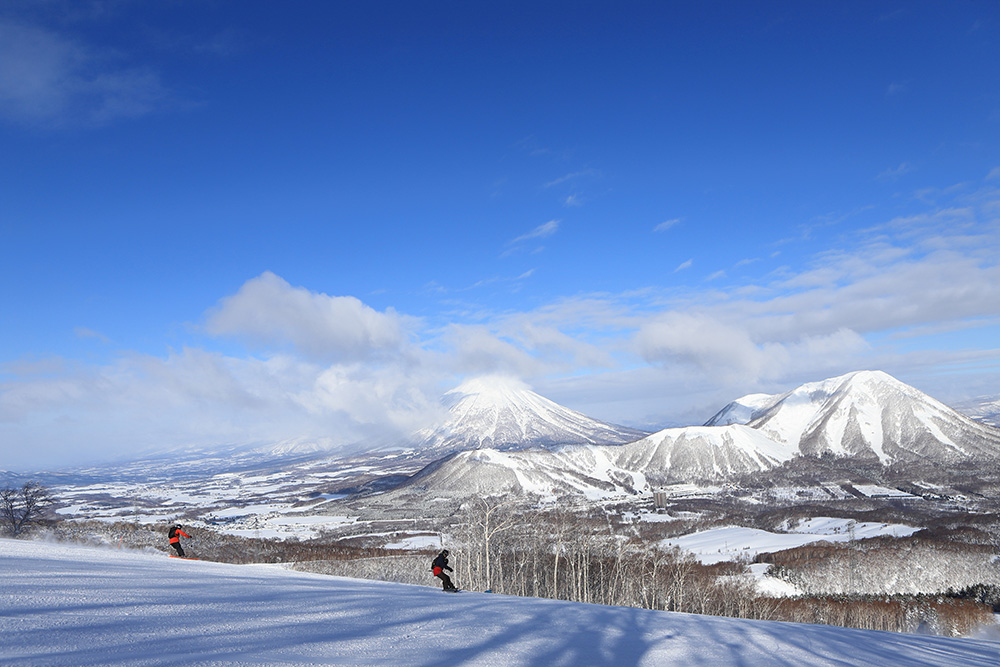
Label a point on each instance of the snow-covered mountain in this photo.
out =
(503, 414)
(866, 413)
(702, 452)
(672, 455)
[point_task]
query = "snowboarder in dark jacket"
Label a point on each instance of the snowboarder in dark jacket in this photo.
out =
(439, 566)
(175, 538)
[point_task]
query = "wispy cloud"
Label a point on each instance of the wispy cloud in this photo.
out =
(895, 89)
(540, 232)
(84, 332)
(48, 78)
(684, 265)
(666, 224)
(894, 173)
(928, 273)
(531, 146)
(571, 177)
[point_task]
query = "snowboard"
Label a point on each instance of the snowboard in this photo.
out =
(182, 557)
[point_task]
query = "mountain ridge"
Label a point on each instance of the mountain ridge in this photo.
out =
(865, 414)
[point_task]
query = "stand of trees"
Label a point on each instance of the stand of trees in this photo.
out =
(567, 556)
(885, 566)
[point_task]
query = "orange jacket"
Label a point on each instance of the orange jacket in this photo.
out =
(175, 538)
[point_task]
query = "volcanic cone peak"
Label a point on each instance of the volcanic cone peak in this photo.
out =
(504, 413)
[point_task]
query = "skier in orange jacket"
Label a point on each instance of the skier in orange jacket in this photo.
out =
(175, 538)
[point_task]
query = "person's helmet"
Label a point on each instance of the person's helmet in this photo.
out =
(444, 552)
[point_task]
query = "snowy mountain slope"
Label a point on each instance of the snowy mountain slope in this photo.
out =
(702, 452)
(692, 453)
(574, 469)
(503, 414)
(82, 606)
(866, 413)
(742, 410)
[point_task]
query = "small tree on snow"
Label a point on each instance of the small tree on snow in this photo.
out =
(21, 508)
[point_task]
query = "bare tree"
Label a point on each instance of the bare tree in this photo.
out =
(21, 508)
(491, 516)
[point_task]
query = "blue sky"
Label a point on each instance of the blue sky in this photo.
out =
(243, 222)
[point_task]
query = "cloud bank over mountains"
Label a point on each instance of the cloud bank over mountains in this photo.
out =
(274, 360)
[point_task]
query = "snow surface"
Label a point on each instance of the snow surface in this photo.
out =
(838, 530)
(771, 586)
(873, 490)
(734, 542)
(417, 542)
(80, 606)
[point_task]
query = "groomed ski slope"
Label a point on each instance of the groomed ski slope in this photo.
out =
(70, 605)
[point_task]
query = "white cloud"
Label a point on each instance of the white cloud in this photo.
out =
(194, 397)
(910, 278)
(479, 350)
(666, 224)
(701, 340)
(270, 312)
(728, 353)
(684, 265)
(375, 401)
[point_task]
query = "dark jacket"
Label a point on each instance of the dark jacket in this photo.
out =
(441, 562)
